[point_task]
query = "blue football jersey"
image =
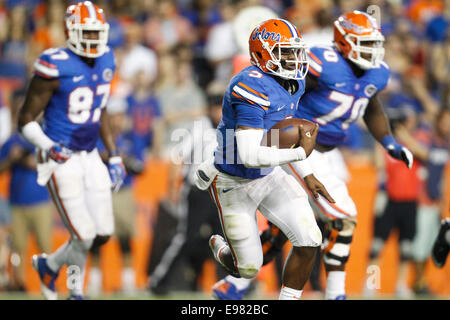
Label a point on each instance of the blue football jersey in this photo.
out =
(340, 98)
(72, 116)
(253, 99)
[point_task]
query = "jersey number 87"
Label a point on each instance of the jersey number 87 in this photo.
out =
(81, 101)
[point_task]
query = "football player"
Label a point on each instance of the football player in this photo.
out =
(71, 87)
(341, 87)
(245, 177)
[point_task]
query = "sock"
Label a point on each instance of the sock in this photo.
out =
(73, 254)
(290, 294)
(335, 285)
(58, 258)
(239, 283)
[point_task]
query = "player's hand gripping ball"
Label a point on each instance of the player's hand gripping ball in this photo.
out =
(288, 134)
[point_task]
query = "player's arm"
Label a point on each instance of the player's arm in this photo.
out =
(37, 98)
(378, 125)
(253, 155)
(106, 133)
(116, 169)
(303, 167)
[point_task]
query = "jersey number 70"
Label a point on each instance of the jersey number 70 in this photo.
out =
(345, 103)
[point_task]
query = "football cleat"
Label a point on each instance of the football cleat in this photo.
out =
(224, 290)
(217, 244)
(75, 297)
(46, 276)
(441, 246)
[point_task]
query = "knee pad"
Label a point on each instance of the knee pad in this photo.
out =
(337, 240)
(99, 241)
(237, 226)
(248, 271)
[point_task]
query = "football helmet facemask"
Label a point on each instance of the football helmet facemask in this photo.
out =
(276, 46)
(81, 21)
(358, 38)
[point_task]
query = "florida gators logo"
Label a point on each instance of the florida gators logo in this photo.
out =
(265, 35)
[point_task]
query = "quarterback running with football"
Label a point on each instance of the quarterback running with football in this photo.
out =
(341, 87)
(71, 87)
(244, 176)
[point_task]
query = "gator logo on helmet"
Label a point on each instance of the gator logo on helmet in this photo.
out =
(348, 24)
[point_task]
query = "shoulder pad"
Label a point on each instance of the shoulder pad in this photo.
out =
(48, 64)
(319, 57)
(249, 86)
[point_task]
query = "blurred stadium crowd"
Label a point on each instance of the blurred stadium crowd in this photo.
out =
(174, 59)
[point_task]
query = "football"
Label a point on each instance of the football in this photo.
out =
(286, 133)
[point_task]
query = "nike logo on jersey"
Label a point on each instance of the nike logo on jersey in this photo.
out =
(340, 84)
(78, 78)
(226, 190)
(281, 108)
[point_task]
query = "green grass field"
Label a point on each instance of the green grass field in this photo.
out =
(145, 295)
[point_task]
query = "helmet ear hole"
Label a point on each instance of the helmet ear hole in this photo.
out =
(259, 54)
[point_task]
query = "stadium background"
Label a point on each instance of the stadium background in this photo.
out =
(186, 26)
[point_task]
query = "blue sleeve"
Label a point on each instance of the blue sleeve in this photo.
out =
(249, 116)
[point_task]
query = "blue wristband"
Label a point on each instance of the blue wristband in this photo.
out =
(114, 153)
(388, 140)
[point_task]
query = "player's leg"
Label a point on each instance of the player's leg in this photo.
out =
(441, 246)
(98, 198)
(406, 213)
(66, 188)
(287, 207)
(124, 222)
(42, 225)
(427, 230)
(240, 253)
(340, 216)
(19, 237)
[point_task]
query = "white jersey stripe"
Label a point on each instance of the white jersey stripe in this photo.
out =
(317, 67)
(251, 96)
(46, 70)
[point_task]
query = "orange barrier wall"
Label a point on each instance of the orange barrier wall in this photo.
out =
(152, 185)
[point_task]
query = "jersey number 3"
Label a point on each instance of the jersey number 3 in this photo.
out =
(345, 103)
(81, 101)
